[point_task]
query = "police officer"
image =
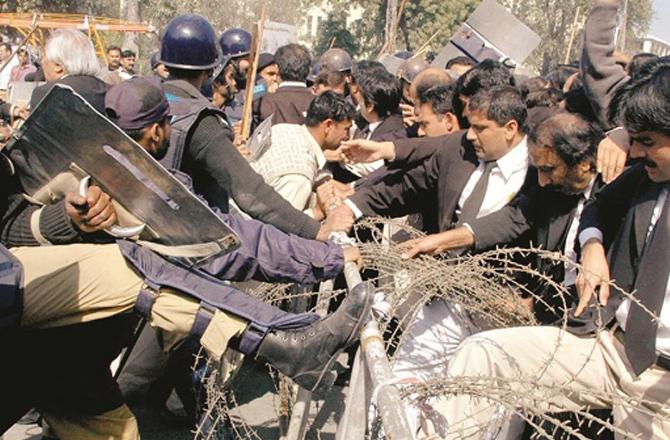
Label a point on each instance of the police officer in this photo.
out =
(235, 48)
(201, 137)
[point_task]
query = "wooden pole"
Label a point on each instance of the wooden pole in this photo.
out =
(572, 36)
(257, 40)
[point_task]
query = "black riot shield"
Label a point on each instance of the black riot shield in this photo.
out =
(65, 140)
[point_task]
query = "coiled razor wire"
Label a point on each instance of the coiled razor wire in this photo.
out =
(488, 286)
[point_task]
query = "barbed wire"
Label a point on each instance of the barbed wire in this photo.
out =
(489, 287)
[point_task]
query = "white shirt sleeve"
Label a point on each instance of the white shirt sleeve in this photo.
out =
(589, 233)
(357, 212)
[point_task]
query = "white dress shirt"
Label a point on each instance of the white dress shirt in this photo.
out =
(663, 333)
(505, 180)
(569, 250)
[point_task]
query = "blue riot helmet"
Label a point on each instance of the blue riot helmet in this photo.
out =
(189, 43)
(235, 42)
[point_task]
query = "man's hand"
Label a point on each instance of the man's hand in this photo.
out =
(594, 273)
(611, 159)
(331, 194)
(341, 219)
(408, 114)
(365, 151)
(92, 213)
(436, 244)
(353, 255)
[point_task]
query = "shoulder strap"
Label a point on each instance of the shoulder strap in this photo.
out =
(185, 113)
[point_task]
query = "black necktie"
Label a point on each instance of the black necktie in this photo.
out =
(650, 284)
(473, 203)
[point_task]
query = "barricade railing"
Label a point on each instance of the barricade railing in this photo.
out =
(372, 383)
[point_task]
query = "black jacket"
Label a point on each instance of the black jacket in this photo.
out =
(214, 163)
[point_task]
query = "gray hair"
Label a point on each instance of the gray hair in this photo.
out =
(74, 51)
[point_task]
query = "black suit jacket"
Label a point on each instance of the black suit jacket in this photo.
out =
(437, 182)
(92, 89)
(288, 104)
(622, 211)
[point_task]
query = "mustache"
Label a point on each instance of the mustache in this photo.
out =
(650, 164)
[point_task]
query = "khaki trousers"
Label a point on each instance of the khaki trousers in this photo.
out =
(583, 371)
(79, 283)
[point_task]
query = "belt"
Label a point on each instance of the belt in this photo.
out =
(661, 361)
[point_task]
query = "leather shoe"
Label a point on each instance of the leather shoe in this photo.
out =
(306, 355)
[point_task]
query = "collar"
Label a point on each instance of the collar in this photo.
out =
(315, 147)
(292, 84)
(515, 160)
(589, 189)
(373, 126)
(185, 86)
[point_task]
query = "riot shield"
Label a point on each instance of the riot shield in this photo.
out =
(65, 140)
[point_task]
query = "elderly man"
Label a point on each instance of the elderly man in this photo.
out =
(70, 59)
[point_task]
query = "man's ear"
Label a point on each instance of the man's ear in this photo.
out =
(511, 130)
(59, 69)
(451, 122)
(155, 131)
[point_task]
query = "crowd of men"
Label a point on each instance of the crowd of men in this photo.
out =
(473, 155)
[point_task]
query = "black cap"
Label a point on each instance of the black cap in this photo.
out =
(136, 103)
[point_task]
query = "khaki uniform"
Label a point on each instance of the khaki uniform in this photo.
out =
(79, 283)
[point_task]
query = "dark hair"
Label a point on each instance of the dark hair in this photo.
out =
(643, 104)
(7, 46)
(550, 97)
(462, 60)
(574, 139)
(361, 67)
(382, 90)
(485, 75)
(111, 48)
(330, 78)
(559, 76)
(501, 104)
(329, 105)
(534, 84)
(294, 62)
(439, 98)
(638, 61)
(128, 53)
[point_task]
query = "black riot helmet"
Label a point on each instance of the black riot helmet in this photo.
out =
(336, 60)
(189, 43)
(409, 69)
(235, 42)
(404, 54)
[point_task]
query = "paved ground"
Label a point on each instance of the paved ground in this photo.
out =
(257, 401)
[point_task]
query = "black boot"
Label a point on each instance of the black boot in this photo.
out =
(306, 355)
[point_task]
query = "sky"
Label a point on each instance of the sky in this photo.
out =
(660, 26)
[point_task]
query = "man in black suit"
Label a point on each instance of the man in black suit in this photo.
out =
(563, 149)
(290, 102)
(378, 95)
(624, 236)
(468, 177)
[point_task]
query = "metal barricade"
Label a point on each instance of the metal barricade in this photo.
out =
(372, 382)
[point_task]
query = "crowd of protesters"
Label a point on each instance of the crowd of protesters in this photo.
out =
(472, 154)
